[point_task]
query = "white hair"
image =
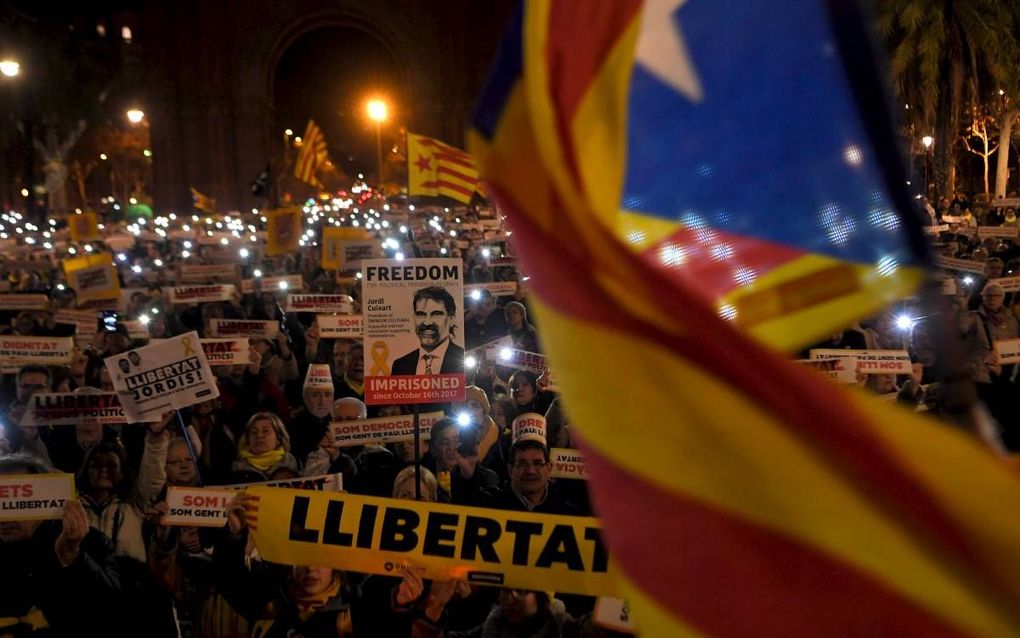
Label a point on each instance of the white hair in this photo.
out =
(362, 409)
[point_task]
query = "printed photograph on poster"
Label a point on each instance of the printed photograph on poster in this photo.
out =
(414, 330)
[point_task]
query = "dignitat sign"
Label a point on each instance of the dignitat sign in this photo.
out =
(343, 304)
(15, 350)
(24, 302)
(340, 326)
(225, 352)
(163, 376)
(567, 463)
(388, 429)
(244, 328)
(414, 327)
(206, 506)
(29, 497)
(1008, 351)
(282, 283)
(519, 550)
(202, 294)
(870, 361)
(74, 408)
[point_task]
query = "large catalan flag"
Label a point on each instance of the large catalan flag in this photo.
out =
(435, 168)
(715, 177)
(312, 156)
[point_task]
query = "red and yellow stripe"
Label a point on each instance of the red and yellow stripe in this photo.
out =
(435, 168)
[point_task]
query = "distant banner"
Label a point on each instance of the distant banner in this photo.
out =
(71, 408)
(567, 463)
(225, 352)
(93, 277)
(84, 227)
(870, 361)
(136, 330)
(320, 303)
(519, 550)
(1009, 284)
(334, 246)
(496, 288)
(202, 294)
(963, 265)
(1008, 351)
(207, 273)
(272, 284)
(18, 351)
(340, 326)
(84, 321)
(244, 328)
(1005, 232)
(518, 359)
(840, 370)
(24, 302)
(387, 429)
(33, 497)
(283, 227)
(206, 506)
(163, 376)
(935, 230)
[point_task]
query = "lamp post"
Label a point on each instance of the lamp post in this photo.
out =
(378, 112)
(9, 69)
(927, 141)
(135, 115)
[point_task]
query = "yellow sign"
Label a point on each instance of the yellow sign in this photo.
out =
(373, 535)
(283, 226)
(84, 227)
(333, 241)
(93, 277)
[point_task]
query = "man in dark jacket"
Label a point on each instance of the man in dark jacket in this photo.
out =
(60, 578)
(530, 470)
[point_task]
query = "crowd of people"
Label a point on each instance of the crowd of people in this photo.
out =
(109, 567)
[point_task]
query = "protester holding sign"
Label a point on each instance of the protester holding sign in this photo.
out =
(461, 480)
(1000, 325)
(523, 334)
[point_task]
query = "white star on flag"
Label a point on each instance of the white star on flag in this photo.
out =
(661, 49)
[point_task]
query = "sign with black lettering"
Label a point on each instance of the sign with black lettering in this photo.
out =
(961, 265)
(870, 361)
(1008, 351)
(280, 284)
(414, 330)
(567, 463)
(162, 376)
(32, 497)
(320, 303)
(24, 302)
(244, 328)
(340, 326)
(73, 408)
(19, 351)
(519, 550)
(202, 294)
(384, 429)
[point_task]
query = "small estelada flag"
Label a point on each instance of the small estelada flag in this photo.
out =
(435, 168)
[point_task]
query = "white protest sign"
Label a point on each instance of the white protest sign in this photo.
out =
(842, 369)
(162, 376)
(320, 303)
(518, 359)
(1005, 202)
(244, 328)
(567, 463)
(225, 352)
(870, 361)
(207, 273)
(73, 408)
(15, 350)
(935, 230)
(201, 294)
(206, 506)
(353, 252)
(414, 316)
(1006, 232)
(1009, 284)
(340, 326)
(614, 614)
(136, 329)
(963, 265)
(496, 288)
(84, 321)
(387, 429)
(1008, 351)
(272, 284)
(24, 302)
(31, 497)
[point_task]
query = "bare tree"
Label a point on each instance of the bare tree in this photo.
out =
(982, 129)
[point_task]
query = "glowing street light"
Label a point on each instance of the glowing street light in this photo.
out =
(378, 112)
(10, 68)
(135, 115)
(927, 140)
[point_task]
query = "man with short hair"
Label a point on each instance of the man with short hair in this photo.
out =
(32, 379)
(435, 313)
(530, 469)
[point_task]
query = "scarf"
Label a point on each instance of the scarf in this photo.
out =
(354, 385)
(997, 317)
(262, 462)
(308, 604)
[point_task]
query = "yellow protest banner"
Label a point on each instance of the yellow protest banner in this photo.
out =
(93, 277)
(84, 227)
(333, 241)
(373, 535)
(283, 226)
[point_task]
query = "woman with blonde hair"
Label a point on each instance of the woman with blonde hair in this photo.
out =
(263, 449)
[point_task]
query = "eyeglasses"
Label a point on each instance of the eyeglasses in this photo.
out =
(521, 466)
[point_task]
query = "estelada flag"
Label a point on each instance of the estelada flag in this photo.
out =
(202, 202)
(435, 168)
(283, 230)
(686, 162)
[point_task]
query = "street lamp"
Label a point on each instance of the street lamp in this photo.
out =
(10, 68)
(378, 112)
(927, 140)
(135, 115)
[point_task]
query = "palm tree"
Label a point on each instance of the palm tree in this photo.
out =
(942, 53)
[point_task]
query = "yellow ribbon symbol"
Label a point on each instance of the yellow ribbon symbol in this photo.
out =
(380, 352)
(188, 349)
